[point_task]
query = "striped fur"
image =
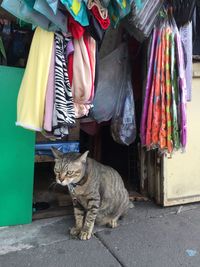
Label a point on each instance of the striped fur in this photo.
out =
(63, 95)
(97, 191)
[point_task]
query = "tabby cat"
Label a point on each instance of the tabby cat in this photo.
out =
(97, 191)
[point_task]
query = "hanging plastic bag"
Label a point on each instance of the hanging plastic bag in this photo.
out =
(111, 75)
(21, 10)
(123, 125)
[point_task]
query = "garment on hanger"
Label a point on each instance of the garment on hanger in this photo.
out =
(78, 10)
(21, 10)
(63, 94)
(49, 99)
(117, 10)
(83, 69)
(32, 93)
(53, 5)
(75, 28)
(58, 20)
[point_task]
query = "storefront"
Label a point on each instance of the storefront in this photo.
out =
(119, 70)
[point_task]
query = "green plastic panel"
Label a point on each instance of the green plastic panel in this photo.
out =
(16, 154)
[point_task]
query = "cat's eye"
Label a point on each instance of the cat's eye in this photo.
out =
(69, 172)
(56, 170)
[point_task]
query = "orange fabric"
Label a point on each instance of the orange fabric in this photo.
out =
(163, 128)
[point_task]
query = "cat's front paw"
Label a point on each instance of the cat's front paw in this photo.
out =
(75, 231)
(85, 235)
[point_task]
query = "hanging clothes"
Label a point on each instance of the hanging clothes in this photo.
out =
(31, 97)
(83, 69)
(49, 99)
(25, 12)
(53, 5)
(63, 94)
(78, 10)
(75, 28)
(118, 9)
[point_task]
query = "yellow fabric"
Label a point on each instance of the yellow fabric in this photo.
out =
(31, 97)
(76, 6)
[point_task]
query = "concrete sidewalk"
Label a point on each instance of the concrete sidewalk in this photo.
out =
(149, 236)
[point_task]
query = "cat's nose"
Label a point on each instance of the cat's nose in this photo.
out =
(62, 177)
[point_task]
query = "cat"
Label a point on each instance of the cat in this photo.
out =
(98, 192)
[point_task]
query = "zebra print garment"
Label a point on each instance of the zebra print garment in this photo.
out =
(64, 104)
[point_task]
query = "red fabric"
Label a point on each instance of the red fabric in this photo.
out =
(105, 23)
(75, 28)
(70, 67)
(85, 38)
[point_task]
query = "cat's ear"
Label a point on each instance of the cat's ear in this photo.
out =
(57, 154)
(83, 157)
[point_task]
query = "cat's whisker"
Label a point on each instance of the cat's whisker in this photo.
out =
(52, 186)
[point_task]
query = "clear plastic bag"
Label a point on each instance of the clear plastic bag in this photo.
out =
(123, 125)
(111, 76)
(114, 96)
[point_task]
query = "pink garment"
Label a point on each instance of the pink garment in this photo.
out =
(49, 100)
(81, 110)
(90, 44)
(83, 73)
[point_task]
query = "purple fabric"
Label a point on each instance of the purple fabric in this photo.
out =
(148, 87)
(182, 88)
(49, 101)
(70, 48)
(186, 38)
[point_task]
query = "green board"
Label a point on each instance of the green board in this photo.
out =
(16, 154)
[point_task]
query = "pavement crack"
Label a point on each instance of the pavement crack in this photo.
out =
(109, 250)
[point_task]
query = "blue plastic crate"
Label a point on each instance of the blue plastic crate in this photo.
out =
(65, 147)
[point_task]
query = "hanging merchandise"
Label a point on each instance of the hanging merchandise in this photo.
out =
(53, 5)
(78, 10)
(105, 3)
(75, 28)
(111, 73)
(31, 98)
(50, 95)
(99, 12)
(118, 9)
(24, 12)
(186, 38)
(123, 124)
(2, 51)
(163, 123)
(98, 19)
(63, 95)
(183, 11)
(84, 60)
(58, 20)
(142, 18)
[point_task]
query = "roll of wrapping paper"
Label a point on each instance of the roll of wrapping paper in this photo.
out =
(156, 121)
(148, 87)
(151, 99)
(182, 88)
(163, 126)
(175, 110)
(168, 90)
